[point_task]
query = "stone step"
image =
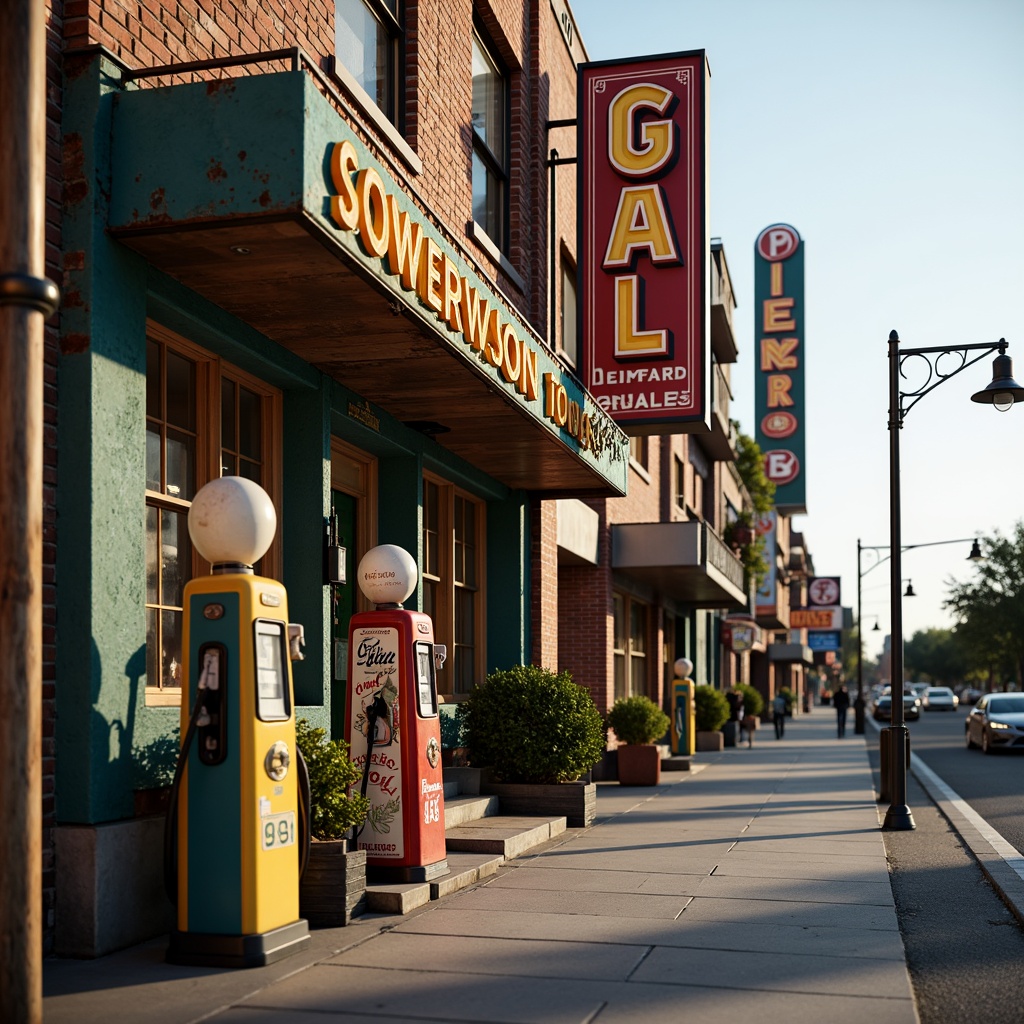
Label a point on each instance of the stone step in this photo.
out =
(450, 790)
(463, 809)
(675, 763)
(507, 836)
(474, 851)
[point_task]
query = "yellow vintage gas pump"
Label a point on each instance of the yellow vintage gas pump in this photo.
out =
(684, 724)
(236, 799)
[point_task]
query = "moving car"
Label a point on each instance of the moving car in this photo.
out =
(996, 722)
(939, 698)
(882, 711)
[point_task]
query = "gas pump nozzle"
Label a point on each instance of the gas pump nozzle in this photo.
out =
(296, 641)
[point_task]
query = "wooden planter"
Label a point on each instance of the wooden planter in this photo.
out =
(333, 888)
(710, 741)
(576, 801)
(639, 764)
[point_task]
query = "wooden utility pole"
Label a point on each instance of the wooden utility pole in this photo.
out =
(26, 299)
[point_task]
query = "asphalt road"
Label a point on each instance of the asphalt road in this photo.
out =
(964, 948)
(992, 784)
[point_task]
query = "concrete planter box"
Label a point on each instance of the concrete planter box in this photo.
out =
(639, 764)
(575, 801)
(710, 741)
(333, 888)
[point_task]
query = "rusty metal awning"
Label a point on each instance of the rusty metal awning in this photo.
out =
(239, 214)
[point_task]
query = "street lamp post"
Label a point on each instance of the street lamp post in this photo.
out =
(1002, 392)
(974, 556)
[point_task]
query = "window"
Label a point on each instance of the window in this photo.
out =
(638, 447)
(629, 645)
(452, 580)
(194, 405)
(698, 478)
(680, 482)
(367, 34)
(490, 159)
(568, 339)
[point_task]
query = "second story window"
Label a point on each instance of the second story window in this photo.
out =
(490, 149)
(366, 40)
(569, 312)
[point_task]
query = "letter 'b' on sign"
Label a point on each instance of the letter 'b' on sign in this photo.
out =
(781, 466)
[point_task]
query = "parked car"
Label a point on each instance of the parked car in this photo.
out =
(996, 722)
(882, 711)
(939, 698)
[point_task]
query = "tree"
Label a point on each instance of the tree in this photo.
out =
(940, 654)
(990, 608)
(741, 534)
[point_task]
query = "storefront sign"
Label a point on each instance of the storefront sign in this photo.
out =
(823, 591)
(825, 641)
(816, 618)
(779, 383)
(645, 250)
(397, 238)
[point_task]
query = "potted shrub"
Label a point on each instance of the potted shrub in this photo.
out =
(711, 712)
(790, 698)
(332, 888)
(638, 722)
(536, 733)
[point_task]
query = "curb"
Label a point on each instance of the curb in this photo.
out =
(1000, 862)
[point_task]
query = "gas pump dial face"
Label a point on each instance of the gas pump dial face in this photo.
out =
(277, 761)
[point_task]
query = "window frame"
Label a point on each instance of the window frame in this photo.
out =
(210, 371)
(393, 23)
(481, 149)
(569, 277)
(445, 606)
(623, 605)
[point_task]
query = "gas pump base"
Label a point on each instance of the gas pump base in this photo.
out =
(382, 874)
(198, 949)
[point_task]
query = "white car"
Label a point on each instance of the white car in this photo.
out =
(939, 698)
(996, 722)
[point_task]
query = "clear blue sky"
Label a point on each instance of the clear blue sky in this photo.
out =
(891, 135)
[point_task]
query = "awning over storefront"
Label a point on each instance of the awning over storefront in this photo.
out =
(686, 561)
(791, 653)
(255, 193)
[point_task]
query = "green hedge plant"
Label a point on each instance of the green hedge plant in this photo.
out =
(753, 702)
(711, 708)
(529, 724)
(789, 697)
(333, 810)
(638, 720)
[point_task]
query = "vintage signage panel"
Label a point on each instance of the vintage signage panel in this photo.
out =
(825, 641)
(779, 378)
(824, 592)
(374, 670)
(816, 618)
(644, 304)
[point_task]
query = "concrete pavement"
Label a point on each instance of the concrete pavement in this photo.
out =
(753, 888)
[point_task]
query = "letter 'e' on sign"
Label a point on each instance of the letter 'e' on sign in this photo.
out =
(644, 278)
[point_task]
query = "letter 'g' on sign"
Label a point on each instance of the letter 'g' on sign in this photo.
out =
(655, 148)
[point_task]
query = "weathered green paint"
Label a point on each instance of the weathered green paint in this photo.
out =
(306, 501)
(261, 145)
(107, 738)
(508, 583)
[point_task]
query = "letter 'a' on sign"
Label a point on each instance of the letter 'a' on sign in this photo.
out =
(645, 254)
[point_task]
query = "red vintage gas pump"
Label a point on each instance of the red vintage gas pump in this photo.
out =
(391, 713)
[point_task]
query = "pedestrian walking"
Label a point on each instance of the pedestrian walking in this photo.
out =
(748, 723)
(779, 708)
(841, 702)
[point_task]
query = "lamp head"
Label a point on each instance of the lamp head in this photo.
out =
(975, 555)
(232, 523)
(909, 592)
(1003, 390)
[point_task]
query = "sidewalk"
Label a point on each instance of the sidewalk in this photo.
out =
(753, 889)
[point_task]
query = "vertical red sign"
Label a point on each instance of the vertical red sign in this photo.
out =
(644, 243)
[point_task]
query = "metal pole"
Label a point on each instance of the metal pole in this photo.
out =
(898, 816)
(858, 705)
(24, 294)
